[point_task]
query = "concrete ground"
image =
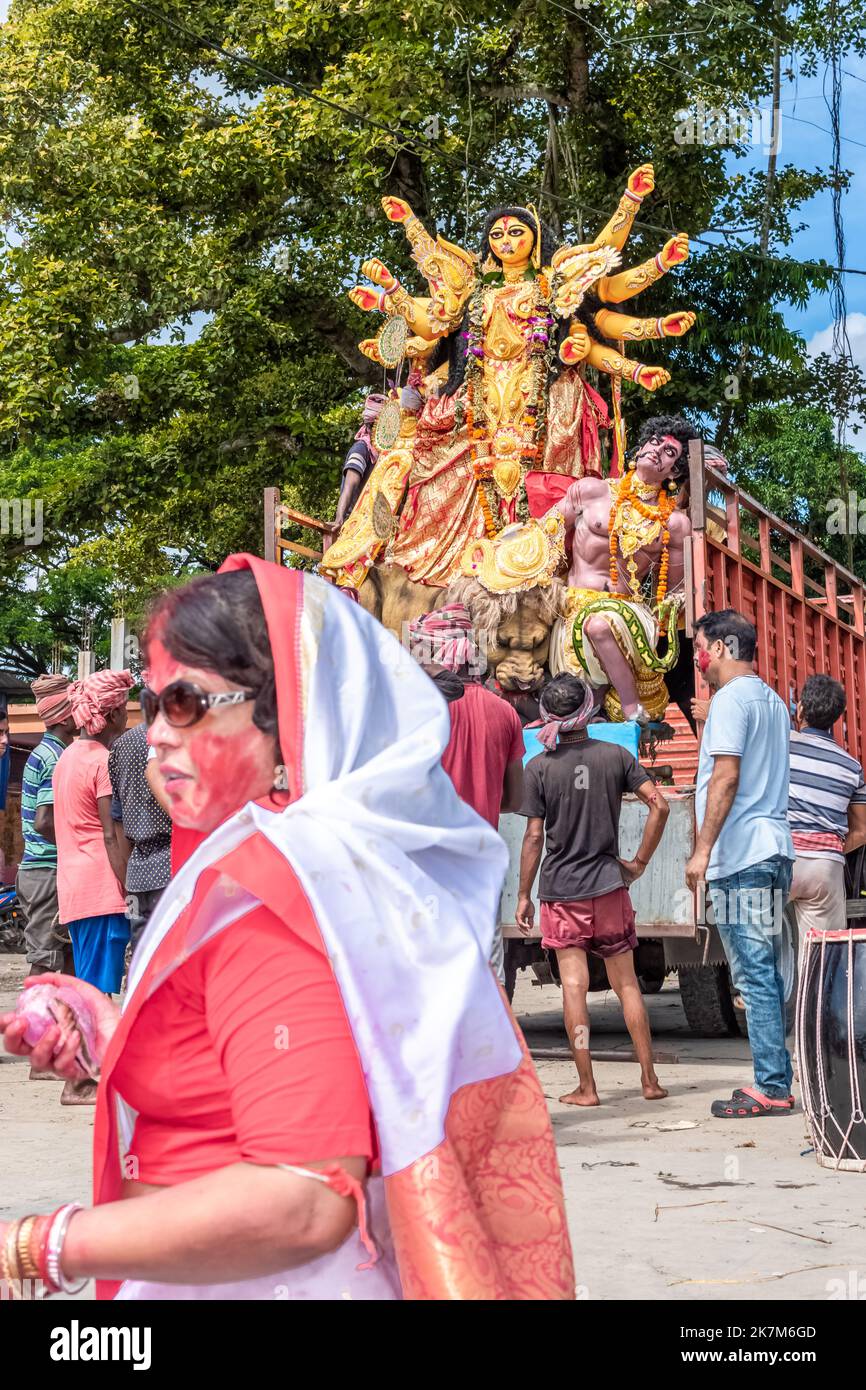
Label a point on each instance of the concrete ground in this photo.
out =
(693, 1212)
(687, 1213)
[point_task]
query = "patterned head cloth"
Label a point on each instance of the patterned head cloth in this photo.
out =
(53, 704)
(372, 406)
(550, 726)
(96, 696)
(444, 638)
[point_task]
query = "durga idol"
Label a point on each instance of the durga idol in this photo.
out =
(514, 422)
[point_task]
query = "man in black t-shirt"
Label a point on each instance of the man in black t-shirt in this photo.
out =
(573, 793)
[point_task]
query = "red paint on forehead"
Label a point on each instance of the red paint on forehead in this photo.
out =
(162, 666)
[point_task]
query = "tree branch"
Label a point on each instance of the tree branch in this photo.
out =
(339, 337)
(527, 93)
(275, 434)
(133, 332)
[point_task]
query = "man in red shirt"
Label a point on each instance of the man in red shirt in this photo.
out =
(484, 757)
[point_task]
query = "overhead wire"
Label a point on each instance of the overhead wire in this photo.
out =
(428, 147)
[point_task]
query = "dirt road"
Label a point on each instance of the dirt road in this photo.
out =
(689, 1213)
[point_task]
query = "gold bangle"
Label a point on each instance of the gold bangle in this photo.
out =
(26, 1263)
(10, 1256)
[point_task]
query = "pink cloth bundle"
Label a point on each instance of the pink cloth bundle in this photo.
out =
(43, 1006)
(550, 727)
(444, 637)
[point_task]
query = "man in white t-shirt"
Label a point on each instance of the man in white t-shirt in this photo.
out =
(743, 850)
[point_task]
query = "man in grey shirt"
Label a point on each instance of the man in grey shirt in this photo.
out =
(744, 851)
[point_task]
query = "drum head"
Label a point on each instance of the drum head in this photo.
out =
(832, 1046)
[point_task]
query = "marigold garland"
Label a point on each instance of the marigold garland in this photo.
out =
(660, 511)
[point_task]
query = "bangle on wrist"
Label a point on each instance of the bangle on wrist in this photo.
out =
(55, 1277)
(9, 1257)
(393, 288)
(26, 1267)
(19, 1267)
(38, 1245)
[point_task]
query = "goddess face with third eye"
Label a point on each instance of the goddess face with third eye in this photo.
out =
(511, 241)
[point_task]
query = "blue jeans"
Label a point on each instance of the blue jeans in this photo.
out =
(748, 909)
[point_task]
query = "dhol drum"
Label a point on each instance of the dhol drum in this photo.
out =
(831, 1045)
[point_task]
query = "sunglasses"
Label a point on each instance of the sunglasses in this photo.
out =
(182, 703)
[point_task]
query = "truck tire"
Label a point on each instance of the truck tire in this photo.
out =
(705, 991)
(518, 956)
(707, 995)
(650, 984)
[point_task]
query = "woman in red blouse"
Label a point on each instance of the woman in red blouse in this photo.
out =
(309, 1009)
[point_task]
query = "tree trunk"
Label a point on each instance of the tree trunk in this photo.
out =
(551, 208)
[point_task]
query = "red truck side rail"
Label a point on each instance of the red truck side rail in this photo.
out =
(808, 609)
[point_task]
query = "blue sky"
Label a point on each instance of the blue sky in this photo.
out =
(808, 147)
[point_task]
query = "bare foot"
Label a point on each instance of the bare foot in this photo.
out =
(652, 1090)
(581, 1097)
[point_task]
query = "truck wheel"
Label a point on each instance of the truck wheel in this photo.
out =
(650, 984)
(705, 991)
(518, 956)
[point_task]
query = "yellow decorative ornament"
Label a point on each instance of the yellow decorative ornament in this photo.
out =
(521, 557)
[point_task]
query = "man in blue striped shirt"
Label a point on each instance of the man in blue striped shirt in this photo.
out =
(826, 808)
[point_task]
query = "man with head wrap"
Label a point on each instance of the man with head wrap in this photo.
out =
(572, 797)
(91, 871)
(484, 757)
(36, 882)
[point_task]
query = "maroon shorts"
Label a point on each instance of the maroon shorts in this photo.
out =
(604, 926)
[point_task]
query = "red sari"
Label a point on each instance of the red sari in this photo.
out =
(470, 1177)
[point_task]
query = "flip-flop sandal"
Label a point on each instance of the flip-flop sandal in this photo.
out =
(748, 1103)
(79, 1092)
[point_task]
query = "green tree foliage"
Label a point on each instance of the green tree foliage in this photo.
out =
(181, 228)
(786, 457)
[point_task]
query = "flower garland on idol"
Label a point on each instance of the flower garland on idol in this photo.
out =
(541, 344)
(655, 517)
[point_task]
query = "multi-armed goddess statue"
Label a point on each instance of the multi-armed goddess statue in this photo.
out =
(470, 494)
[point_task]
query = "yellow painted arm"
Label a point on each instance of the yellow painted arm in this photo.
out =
(634, 330)
(605, 359)
(626, 284)
(616, 233)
